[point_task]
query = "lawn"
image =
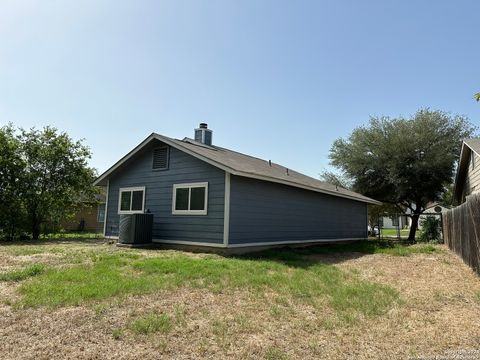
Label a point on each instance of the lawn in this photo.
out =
(84, 298)
(394, 232)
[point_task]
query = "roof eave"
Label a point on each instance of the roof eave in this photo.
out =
(101, 180)
(463, 157)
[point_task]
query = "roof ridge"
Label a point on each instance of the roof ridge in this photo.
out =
(214, 147)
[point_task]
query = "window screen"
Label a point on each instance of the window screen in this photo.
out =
(182, 195)
(125, 200)
(137, 200)
(197, 198)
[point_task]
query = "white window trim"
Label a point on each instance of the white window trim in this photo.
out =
(189, 186)
(132, 189)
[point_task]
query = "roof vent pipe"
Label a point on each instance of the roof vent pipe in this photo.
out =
(203, 134)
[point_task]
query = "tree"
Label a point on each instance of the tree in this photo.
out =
(448, 198)
(11, 168)
(335, 179)
(376, 211)
(403, 161)
(49, 175)
(477, 96)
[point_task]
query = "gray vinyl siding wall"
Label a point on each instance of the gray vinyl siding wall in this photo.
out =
(472, 178)
(182, 168)
(261, 211)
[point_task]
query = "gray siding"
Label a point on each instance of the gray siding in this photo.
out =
(183, 168)
(472, 178)
(266, 212)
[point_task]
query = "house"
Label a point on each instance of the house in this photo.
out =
(467, 180)
(205, 195)
(433, 209)
(88, 218)
(393, 221)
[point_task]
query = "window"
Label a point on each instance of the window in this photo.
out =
(101, 213)
(131, 200)
(160, 158)
(190, 199)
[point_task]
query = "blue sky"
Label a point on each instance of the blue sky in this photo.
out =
(280, 80)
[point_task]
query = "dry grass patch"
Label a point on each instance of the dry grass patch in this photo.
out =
(301, 304)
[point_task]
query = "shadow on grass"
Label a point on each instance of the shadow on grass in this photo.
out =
(305, 257)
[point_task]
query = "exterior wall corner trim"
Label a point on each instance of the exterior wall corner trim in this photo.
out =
(226, 211)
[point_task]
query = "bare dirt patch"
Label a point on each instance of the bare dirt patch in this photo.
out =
(439, 312)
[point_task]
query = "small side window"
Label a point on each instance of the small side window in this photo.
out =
(160, 158)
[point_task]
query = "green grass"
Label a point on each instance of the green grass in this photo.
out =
(287, 272)
(117, 334)
(71, 235)
(393, 232)
(101, 279)
(408, 250)
(18, 275)
(477, 296)
(151, 323)
(365, 247)
(26, 250)
(403, 233)
(273, 353)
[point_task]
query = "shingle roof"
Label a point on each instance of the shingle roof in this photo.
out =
(245, 165)
(473, 144)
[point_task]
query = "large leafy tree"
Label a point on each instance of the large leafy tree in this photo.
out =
(54, 178)
(374, 211)
(11, 187)
(336, 179)
(408, 162)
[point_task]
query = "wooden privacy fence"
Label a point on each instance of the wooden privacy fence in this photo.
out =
(461, 231)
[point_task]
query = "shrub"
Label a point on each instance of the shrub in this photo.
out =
(430, 229)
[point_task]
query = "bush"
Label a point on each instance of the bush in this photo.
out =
(430, 229)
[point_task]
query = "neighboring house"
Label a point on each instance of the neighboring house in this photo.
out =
(89, 218)
(201, 194)
(393, 221)
(432, 210)
(467, 180)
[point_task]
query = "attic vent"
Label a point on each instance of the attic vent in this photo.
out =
(160, 158)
